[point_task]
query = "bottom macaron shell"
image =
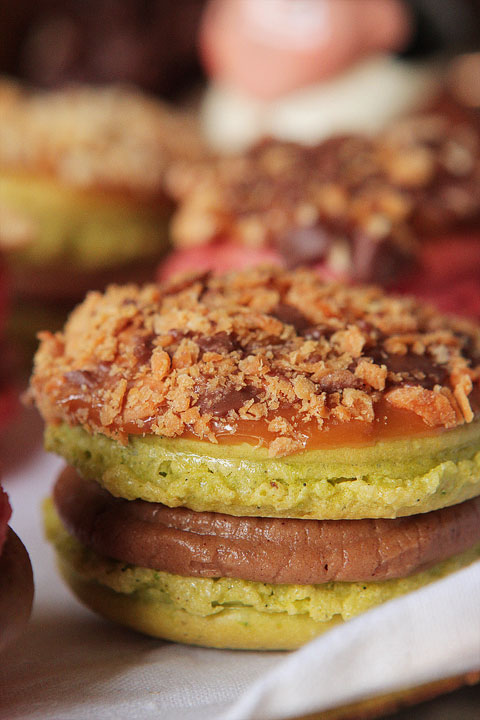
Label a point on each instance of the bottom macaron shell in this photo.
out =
(16, 589)
(222, 612)
(233, 628)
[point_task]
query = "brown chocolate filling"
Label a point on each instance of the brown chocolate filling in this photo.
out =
(206, 544)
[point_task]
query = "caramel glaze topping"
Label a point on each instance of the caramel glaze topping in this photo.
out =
(360, 204)
(275, 349)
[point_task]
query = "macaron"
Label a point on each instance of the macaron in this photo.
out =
(82, 189)
(16, 579)
(257, 456)
(353, 206)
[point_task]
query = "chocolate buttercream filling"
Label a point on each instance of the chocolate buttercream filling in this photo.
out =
(273, 550)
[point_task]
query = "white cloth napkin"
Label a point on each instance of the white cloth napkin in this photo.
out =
(71, 665)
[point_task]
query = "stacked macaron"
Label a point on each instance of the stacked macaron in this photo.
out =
(16, 579)
(82, 193)
(354, 207)
(256, 457)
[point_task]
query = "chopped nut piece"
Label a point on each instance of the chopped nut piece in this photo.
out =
(372, 374)
(160, 363)
(435, 408)
(284, 446)
(304, 388)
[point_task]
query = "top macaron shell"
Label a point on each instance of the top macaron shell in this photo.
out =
(266, 346)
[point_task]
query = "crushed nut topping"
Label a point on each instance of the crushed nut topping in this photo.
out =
(359, 205)
(204, 353)
(111, 138)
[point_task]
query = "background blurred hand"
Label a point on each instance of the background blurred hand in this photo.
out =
(270, 47)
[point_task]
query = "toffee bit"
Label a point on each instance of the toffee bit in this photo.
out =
(200, 357)
(339, 380)
(221, 343)
(220, 401)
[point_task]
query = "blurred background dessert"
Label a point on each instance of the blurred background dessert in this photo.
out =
(82, 193)
(332, 73)
(82, 185)
(357, 208)
(388, 192)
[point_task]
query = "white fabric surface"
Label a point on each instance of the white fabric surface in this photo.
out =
(71, 665)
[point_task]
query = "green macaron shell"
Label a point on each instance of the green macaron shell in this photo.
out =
(91, 231)
(386, 479)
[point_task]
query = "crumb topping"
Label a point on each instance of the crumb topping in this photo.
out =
(359, 204)
(110, 138)
(206, 353)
